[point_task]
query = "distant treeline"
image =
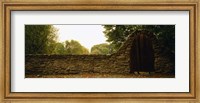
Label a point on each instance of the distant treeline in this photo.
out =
(42, 39)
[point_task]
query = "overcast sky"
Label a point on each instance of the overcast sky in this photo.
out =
(87, 35)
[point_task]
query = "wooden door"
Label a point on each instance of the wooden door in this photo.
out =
(141, 54)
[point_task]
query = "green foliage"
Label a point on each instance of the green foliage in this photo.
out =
(166, 38)
(117, 34)
(40, 39)
(74, 47)
(60, 49)
(103, 49)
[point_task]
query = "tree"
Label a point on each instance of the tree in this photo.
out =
(74, 47)
(60, 49)
(40, 39)
(103, 48)
(117, 34)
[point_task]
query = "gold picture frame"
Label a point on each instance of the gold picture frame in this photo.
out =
(5, 71)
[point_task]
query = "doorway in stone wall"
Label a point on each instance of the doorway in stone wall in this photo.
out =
(142, 53)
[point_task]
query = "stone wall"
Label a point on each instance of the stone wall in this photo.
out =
(73, 64)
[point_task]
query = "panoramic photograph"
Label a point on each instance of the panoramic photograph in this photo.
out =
(99, 51)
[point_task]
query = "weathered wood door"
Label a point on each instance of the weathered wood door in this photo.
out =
(141, 54)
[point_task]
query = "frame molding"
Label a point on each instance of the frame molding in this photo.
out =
(5, 72)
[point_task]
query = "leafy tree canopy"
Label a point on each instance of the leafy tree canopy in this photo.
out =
(74, 47)
(60, 49)
(40, 39)
(103, 49)
(117, 34)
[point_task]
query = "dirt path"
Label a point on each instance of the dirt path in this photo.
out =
(97, 75)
